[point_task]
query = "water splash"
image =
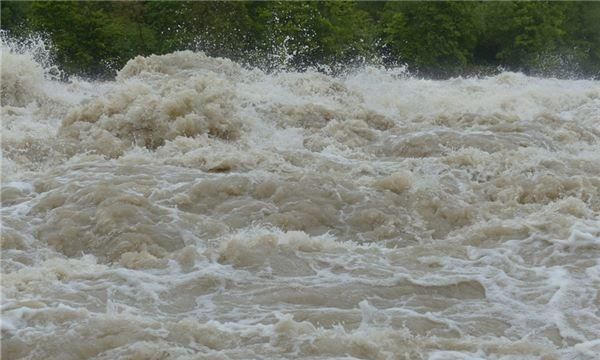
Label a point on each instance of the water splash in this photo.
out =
(196, 208)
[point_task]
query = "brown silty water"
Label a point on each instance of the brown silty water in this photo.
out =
(196, 209)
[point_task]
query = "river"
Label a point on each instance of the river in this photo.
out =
(194, 208)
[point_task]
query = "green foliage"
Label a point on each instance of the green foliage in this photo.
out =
(345, 32)
(532, 29)
(430, 35)
(288, 32)
(436, 38)
(582, 38)
(14, 16)
(91, 38)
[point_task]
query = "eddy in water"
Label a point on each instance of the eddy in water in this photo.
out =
(196, 209)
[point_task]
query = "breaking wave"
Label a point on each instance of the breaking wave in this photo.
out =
(193, 208)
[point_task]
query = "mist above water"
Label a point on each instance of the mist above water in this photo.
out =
(193, 208)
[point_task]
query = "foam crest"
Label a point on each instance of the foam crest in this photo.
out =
(196, 209)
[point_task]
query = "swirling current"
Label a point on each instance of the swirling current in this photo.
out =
(196, 209)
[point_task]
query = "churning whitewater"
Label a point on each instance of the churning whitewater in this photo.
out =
(196, 209)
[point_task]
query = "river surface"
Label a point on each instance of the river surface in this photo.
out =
(196, 209)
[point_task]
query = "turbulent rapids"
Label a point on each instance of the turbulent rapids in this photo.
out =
(197, 209)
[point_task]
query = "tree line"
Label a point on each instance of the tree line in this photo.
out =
(436, 39)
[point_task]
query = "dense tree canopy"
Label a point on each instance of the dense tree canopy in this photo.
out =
(436, 38)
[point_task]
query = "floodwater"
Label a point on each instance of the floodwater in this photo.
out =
(196, 209)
